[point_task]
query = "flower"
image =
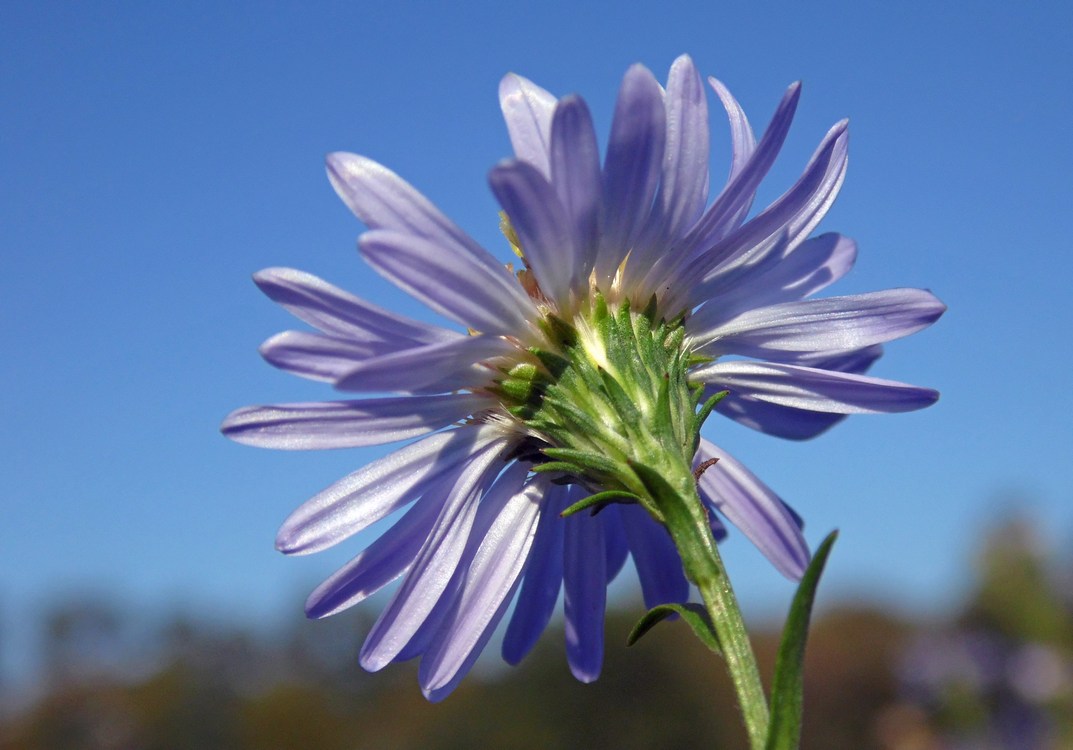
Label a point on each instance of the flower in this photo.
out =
(637, 301)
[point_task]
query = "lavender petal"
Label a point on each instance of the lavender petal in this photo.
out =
(427, 369)
(527, 110)
(814, 389)
(658, 564)
(339, 313)
(434, 566)
(631, 167)
(575, 175)
(504, 531)
(758, 512)
(481, 295)
(541, 224)
(381, 562)
(585, 595)
(830, 324)
(542, 582)
(348, 424)
(380, 488)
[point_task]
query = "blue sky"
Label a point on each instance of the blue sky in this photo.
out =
(154, 155)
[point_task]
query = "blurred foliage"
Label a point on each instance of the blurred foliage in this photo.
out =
(998, 675)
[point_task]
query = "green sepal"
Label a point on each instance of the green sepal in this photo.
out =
(694, 615)
(706, 410)
(564, 466)
(599, 501)
(590, 461)
(787, 689)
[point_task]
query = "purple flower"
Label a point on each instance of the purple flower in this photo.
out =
(482, 522)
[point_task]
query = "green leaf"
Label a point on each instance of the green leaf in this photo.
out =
(590, 461)
(706, 410)
(788, 686)
(599, 501)
(694, 615)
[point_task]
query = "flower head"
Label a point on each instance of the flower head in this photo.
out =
(638, 302)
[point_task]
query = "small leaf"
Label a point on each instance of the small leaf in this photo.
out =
(691, 613)
(592, 461)
(599, 501)
(786, 692)
(706, 410)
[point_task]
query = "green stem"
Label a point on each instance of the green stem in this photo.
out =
(688, 523)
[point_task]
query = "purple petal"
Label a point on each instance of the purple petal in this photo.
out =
(616, 548)
(788, 422)
(541, 224)
(575, 175)
(683, 185)
(543, 579)
(814, 389)
(479, 295)
(800, 273)
(314, 355)
(527, 110)
(382, 561)
(758, 512)
(585, 587)
(504, 531)
(631, 168)
(730, 206)
(789, 219)
(383, 200)
(742, 140)
(831, 324)
(348, 424)
(659, 567)
(428, 369)
(339, 313)
(434, 566)
(381, 487)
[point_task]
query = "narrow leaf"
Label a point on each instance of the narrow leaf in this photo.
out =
(692, 614)
(788, 685)
(599, 501)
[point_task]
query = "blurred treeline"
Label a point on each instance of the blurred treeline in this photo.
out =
(998, 673)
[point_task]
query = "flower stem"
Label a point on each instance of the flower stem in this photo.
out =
(688, 523)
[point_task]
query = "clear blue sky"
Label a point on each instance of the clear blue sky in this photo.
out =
(154, 155)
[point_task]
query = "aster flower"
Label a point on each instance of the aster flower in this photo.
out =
(638, 304)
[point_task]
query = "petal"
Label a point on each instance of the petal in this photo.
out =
(683, 187)
(348, 424)
(616, 548)
(383, 200)
(658, 564)
(742, 140)
(802, 271)
(543, 579)
(631, 168)
(505, 532)
(814, 389)
(428, 369)
(788, 422)
(380, 488)
(575, 175)
(541, 224)
(733, 202)
(758, 512)
(479, 295)
(585, 597)
(382, 561)
(788, 219)
(831, 324)
(339, 313)
(314, 355)
(527, 110)
(434, 566)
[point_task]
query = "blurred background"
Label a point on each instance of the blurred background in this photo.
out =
(154, 155)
